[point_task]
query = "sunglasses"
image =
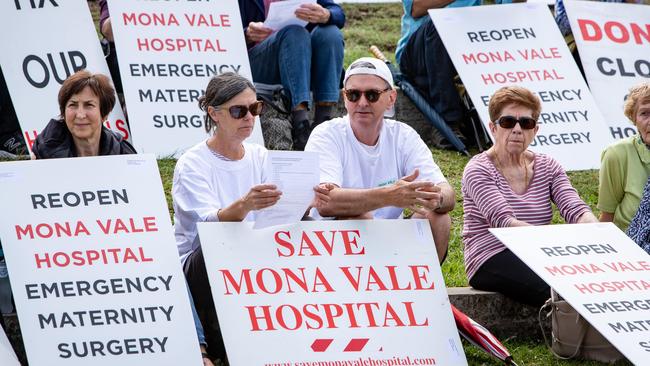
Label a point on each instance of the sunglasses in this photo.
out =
(240, 111)
(372, 95)
(526, 123)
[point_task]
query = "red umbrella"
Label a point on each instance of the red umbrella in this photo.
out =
(477, 335)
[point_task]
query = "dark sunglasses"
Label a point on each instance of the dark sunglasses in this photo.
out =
(240, 111)
(526, 123)
(372, 95)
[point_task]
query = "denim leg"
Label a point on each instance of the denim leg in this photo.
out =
(327, 62)
(285, 58)
(200, 334)
(426, 63)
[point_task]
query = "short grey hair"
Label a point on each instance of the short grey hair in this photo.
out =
(219, 91)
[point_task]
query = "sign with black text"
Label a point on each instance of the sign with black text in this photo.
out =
(168, 51)
(597, 269)
(614, 44)
(42, 43)
(519, 44)
(93, 265)
(331, 292)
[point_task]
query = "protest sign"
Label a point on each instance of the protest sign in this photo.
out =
(491, 50)
(597, 269)
(333, 292)
(93, 265)
(168, 51)
(42, 44)
(7, 355)
(613, 40)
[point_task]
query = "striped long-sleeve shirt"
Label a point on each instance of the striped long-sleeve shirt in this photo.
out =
(489, 201)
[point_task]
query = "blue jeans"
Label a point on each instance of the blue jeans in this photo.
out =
(301, 61)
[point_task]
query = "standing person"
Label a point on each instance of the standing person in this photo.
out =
(302, 59)
(219, 179)
(424, 61)
(625, 165)
(508, 186)
(85, 100)
(372, 167)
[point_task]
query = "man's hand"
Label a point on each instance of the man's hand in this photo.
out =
(322, 194)
(408, 193)
(313, 13)
(257, 32)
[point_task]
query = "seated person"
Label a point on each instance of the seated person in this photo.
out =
(85, 100)
(302, 59)
(219, 179)
(507, 186)
(639, 229)
(372, 167)
(424, 61)
(12, 142)
(105, 27)
(625, 165)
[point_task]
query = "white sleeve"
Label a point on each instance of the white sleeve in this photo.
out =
(323, 142)
(417, 155)
(194, 199)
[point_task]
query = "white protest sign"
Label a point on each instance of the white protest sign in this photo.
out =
(369, 292)
(614, 43)
(520, 44)
(7, 355)
(93, 264)
(42, 44)
(168, 51)
(601, 272)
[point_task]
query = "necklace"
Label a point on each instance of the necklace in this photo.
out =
(498, 165)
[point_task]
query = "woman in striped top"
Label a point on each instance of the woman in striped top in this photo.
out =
(509, 186)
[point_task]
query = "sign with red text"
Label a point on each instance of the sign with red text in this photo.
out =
(597, 269)
(93, 265)
(330, 292)
(613, 40)
(7, 355)
(520, 44)
(168, 51)
(42, 43)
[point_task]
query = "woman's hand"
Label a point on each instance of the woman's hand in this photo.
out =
(256, 32)
(261, 196)
(313, 13)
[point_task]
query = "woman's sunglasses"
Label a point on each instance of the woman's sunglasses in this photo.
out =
(526, 123)
(240, 111)
(372, 95)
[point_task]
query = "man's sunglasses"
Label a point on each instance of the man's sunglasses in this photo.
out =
(526, 123)
(372, 95)
(240, 111)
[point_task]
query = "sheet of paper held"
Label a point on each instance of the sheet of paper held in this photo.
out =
(282, 14)
(295, 173)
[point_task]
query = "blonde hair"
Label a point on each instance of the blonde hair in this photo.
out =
(638, 94)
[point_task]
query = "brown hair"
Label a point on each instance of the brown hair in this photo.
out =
(513, 95)
(638, 94)
(100, 85)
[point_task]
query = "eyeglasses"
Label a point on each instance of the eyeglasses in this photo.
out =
(372, 95)
(240, 111)
(526, 123)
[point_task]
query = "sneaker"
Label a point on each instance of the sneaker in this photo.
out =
(300, 134)
(439, 141)
(13, 143)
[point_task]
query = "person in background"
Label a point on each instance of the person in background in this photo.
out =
(373, 167)
(508, 186)
(219, 179)
(302, 59)
(85, 100)
(424, 61)
(12, 142)
(625, 165)
(639, 229)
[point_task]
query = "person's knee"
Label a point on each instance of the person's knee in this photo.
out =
(327, 36)
(295, 35)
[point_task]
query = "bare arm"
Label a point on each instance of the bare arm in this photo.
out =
(107, 30)
(259, 197)
(420, 7)
(588, 217)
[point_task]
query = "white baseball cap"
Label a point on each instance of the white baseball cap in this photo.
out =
(369, 66)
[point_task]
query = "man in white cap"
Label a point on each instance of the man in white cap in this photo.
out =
(372, 167)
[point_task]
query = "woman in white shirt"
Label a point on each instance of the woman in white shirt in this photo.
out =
(219, 179)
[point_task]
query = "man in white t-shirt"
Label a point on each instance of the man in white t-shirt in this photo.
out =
(372, 167)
